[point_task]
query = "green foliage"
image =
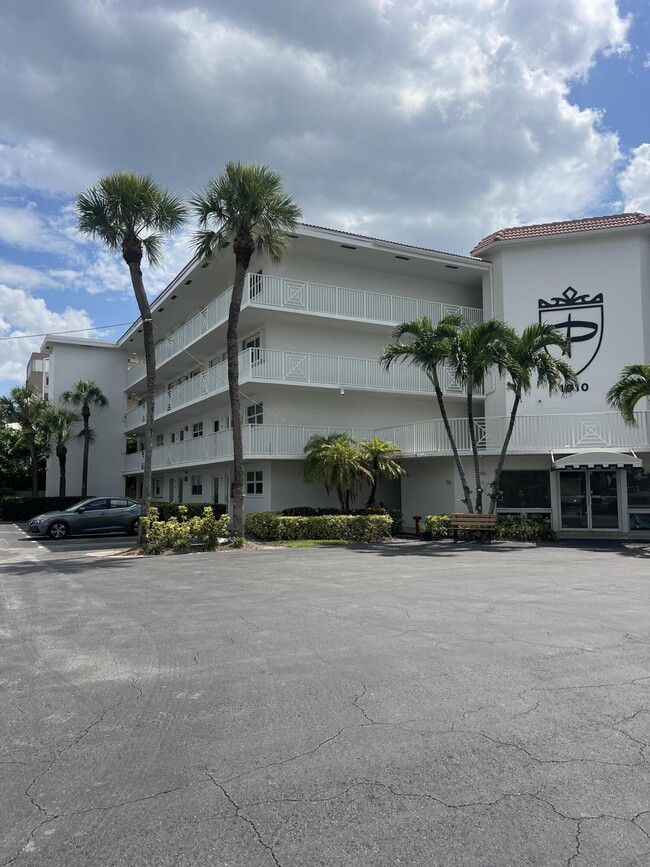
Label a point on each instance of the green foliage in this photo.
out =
(24, 508)
(238, 542)
(512, 528)
(272, 526)
(524, 528)
(191, 510)
(336, 462)
(438, 525)
(181, 530)
(311, 511)
(632, 386)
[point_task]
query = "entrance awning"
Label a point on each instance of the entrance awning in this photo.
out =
(604, 458)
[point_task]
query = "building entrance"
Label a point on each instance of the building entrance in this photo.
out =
(589, 499)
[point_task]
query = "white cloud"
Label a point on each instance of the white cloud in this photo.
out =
(634, 180)
(24, 314)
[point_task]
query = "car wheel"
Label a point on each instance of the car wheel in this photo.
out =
(58, 530)
(135, 526)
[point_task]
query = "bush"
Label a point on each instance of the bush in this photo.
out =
(438, 526)
(524, 528)
(181, 530)
(272, 526)
(24, 508)
(190, 510)
(317, 511)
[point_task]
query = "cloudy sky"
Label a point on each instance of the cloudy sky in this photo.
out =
(431, 122)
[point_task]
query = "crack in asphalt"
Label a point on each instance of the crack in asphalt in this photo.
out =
(249, 821)
(51, 817)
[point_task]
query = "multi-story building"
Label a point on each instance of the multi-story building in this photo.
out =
(311, 332)
(38, 374)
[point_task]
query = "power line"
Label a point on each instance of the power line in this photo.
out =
(71, 331)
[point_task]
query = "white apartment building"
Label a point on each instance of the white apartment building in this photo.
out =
(311, 333)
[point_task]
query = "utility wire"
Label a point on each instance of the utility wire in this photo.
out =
(71, 331)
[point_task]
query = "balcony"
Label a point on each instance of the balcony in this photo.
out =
(260, 441)
(301, 296)
(294, 368)
(533, 433)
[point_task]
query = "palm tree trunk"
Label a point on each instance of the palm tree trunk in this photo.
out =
(502, 456)
(452, 442)
(232, 346)
(373, 490)
(33, 457)
(150, 367)
(85, 412)
(472, 439)
(61, 453)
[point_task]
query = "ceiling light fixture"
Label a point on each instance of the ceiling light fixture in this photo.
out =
(348, 247)
(403, 258)
(453, 267)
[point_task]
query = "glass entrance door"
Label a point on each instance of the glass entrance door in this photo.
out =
(589, 500)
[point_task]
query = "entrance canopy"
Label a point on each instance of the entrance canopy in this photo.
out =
(604, 458)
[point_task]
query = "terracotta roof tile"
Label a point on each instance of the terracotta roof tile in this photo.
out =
(566, 227)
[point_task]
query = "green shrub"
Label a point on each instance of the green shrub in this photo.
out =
(317, 511)
(438, 526)
(524, 528)
(271, 526)
(190, 510)
(181, 530)
(24, 508)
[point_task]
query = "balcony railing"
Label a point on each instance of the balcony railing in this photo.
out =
(542, 433)
(282, 293)
(295, 368)
(259, 441)
(532, 433)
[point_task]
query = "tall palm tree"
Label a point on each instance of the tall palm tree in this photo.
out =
(336, 462)
(26, 408)
(476, 350)
(60, 423)
(131, 214)
(632, 386)
(85, 394)
(379, 457)
(528, 362)
(246, 206)
(429, 346)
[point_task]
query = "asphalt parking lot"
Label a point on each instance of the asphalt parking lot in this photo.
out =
(382, 705)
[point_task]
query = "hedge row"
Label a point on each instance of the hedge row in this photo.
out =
(190, 510)
(316, 511)
(511, 528)
(273, 526)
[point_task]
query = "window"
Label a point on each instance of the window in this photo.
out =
(197, 485)
(216, 425)
(157, 487)
(255, 414)
(638, 488)
(255, 483)
(197, 429)
(253, 343)
(194, 373)
(120, 503)
(173, 437)
(256, 283)
(95, 505)
(160, 440)
(181, 435)
(525, 489)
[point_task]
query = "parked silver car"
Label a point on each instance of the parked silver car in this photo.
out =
(94, 515)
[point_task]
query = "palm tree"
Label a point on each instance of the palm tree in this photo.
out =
(429, 346)
(131, 214)
(476, 350)
(84, 395)
(379, 458)
(632, 386)
(336, 462)
(26, 408)
(528, 360)
(60, 423)
(246, 206)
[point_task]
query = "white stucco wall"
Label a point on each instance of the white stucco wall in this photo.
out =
(104, 366)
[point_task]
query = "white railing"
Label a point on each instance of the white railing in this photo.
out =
(532, 433)
(295, 368)
(266, 440)
(306, 296)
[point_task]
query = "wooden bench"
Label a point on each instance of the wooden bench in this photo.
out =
(475, 523)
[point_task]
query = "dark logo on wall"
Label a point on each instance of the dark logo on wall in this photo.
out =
(581, 319)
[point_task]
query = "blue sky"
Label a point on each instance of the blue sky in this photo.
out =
(432, 123)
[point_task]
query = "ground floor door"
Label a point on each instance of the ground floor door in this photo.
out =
(221, 490)
(179, 489)
(589, 499)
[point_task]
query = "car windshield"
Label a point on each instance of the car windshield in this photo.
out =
(80, 503)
